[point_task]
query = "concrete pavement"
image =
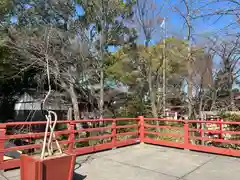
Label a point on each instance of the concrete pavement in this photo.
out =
(148, 162)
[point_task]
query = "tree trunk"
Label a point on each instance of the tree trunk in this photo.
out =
(70, 90)
(231, 94)
(190, 94)
(151, 93)
(76, 111)
(159, 93)
(101, 100)
(232, 100)
(74, 100)
(189, 59)
(214, 99)
(201, 97)
(69, 114)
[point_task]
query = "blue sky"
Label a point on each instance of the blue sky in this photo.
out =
(175, 23)
(80, 11)
(203, 27)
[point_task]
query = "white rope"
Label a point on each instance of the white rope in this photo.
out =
(49, 124)
(49, 91)
(52, 134)
(49, 145)
(45, 140)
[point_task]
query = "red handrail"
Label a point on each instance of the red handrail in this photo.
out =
(185, 126)
(142, 130)
(70, 132)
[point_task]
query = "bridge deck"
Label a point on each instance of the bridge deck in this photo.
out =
(147, 162)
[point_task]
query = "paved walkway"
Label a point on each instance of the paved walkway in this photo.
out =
(147, 162)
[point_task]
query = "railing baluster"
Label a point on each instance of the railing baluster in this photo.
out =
(71, 137)
(186, 135)
(2, 142)
(221, 128)
(141, 128)
(114, 133)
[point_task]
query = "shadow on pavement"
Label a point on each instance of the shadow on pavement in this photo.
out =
(77, 176)
(78, 165)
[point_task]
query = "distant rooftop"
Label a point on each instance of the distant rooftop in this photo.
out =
(33, 102)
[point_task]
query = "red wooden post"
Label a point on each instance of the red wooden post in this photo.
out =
(221, 128)
(71, 137)
(201, 132)
(141, 128)
(186, 135)
(2, 141)
(114, 134)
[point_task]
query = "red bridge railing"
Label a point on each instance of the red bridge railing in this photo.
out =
(191, 135)
(112, 133)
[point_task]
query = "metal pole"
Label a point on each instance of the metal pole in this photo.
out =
(190, 72)
(101, 103)
(164, 68)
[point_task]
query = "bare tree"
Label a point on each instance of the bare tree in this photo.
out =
(69, 58)
(187, 15)
(228, 53)
(203, 81)
(148, 17)
(77, 45)
(219, 9)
